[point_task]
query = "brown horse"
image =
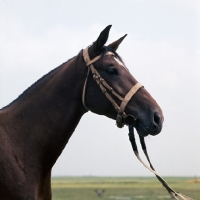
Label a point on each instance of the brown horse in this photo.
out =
(35, 128)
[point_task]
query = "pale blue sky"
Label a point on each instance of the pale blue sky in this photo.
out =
(162, 50)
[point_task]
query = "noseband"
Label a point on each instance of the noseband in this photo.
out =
(122, 117)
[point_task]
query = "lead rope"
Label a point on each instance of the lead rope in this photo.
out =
(172, 192)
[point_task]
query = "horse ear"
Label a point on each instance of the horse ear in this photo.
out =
(115, 44)
(101, 40)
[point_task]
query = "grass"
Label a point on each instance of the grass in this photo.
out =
(121, 188)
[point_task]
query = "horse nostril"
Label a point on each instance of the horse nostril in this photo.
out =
(156, 122)
(156, 118)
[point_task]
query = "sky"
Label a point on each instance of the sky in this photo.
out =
(162, 51)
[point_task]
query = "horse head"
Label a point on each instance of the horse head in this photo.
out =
(117, 93)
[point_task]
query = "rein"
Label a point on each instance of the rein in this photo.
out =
(172, 192)
(122, 118)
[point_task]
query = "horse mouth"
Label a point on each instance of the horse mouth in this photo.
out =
(141, 129)
(145, 130)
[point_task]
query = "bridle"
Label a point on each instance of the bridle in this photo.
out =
(122, 117)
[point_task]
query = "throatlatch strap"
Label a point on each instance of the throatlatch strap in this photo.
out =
(84, 89)
(172, 192)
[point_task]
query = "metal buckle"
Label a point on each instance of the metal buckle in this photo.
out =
(130, 120)
(125, 120)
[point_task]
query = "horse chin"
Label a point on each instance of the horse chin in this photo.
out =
(141, 130)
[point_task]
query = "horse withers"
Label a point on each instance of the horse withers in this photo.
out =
(35, 128)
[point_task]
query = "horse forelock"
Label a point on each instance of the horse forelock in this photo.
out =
(106, 49)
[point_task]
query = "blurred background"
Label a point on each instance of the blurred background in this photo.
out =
(162, 51)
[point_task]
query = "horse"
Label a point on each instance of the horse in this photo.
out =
(35, 128)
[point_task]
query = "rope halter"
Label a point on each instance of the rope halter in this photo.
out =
(122, 117)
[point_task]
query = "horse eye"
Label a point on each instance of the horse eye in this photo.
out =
(112, 71)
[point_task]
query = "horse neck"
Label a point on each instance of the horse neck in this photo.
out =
(44, 118)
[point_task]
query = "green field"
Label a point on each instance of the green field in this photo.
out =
(121, 188)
